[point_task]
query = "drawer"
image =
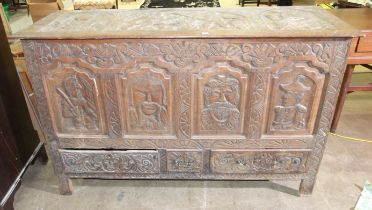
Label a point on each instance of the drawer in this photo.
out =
(259, 161)
(365, 43)
(185, 161)
(110, 161)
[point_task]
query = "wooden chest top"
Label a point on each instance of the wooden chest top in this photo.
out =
(190, 23)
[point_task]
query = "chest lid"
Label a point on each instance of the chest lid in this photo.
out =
(190, 23)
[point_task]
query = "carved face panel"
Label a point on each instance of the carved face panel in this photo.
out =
(147, 102)
(221, 101)
(222, 90)
(147, 94)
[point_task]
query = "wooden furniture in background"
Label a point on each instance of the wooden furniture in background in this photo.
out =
(206, 93)
(42, 8)
(5, 22)
(360, 53)
(18, 138)
(10, 164)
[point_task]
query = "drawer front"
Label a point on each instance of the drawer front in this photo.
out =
(365, 43)
(185, 161)
(100, 161)
(255, 162)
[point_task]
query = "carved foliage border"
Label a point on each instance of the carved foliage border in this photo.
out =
(329, 103)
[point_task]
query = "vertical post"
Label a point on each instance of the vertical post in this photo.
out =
(342, 96)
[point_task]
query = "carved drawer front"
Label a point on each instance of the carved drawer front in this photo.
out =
(96, 161)
(254, 162)
(184, 160)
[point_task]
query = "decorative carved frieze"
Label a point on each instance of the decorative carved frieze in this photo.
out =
(183, 54)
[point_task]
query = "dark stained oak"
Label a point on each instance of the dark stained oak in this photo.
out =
(154, 98)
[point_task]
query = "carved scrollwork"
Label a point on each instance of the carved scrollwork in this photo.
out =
(257, 105)
(258, 162)
(182, 53)
(184, 106)
(112, 106)
(111, 162)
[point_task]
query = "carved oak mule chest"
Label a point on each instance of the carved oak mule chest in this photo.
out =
(225, 94)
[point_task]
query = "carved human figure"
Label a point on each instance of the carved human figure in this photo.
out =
(291, 113)
(147, 103)
(221, 101)
(78, 103)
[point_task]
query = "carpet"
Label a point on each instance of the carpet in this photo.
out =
(179, 3)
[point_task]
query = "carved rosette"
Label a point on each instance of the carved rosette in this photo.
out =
(110, 162)
(184, 161)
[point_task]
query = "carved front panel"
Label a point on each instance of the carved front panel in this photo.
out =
(83, 161)
(74, 99)
(295, 96)
(188, 93)
(184, 161)
(220, 100)
(148, 100)
(258, 161)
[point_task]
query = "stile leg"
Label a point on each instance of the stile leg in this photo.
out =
(306, 187)
(65, 185)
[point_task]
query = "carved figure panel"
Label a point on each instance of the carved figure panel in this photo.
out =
(75, 100)
(80, 161)
(258, 161)
(184, 161)
(148, 101)
(221, 101)
(296, 90)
